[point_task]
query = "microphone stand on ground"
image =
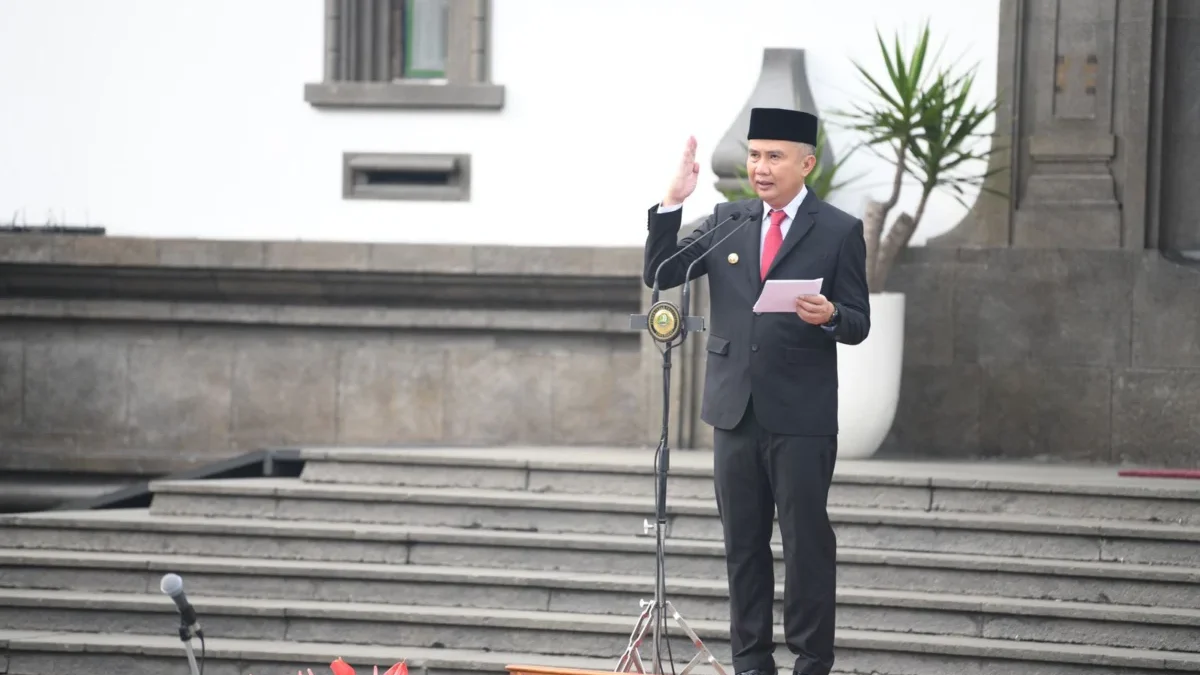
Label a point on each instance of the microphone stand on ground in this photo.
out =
(189, 627)
(669, 326)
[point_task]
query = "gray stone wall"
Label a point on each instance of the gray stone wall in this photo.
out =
(133, 356)
(140, 356)
(1062, 355)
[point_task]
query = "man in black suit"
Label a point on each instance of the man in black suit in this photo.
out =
(771, 387)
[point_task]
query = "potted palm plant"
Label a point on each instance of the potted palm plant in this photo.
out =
(923, 120)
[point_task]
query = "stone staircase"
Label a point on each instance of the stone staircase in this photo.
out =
(465, 561)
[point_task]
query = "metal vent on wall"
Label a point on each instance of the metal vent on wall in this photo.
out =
(420, 177)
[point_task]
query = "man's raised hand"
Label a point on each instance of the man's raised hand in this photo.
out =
(686, 176)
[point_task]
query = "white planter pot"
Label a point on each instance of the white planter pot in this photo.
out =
(869, 380)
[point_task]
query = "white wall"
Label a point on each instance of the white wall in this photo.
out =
(186, 118)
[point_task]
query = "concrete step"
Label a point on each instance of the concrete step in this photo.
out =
(90, 535)
(899, 530)
(972, 487)
(65, 578)
(45, 653)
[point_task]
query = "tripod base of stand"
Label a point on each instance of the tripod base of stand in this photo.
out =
(631, 660)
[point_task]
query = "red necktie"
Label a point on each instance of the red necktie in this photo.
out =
(773, 242)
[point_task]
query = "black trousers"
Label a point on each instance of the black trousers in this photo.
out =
(756, 473)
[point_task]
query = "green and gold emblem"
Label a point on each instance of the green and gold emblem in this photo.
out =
(665, 322)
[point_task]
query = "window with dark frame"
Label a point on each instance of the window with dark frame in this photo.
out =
(406, 54)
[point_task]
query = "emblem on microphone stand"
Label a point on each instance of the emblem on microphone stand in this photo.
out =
(664, 322)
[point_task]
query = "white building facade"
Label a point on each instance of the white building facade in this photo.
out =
(529, 122)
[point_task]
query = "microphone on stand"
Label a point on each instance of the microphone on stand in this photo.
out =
(664, 319)
(172, 586)
(654, 289)
(685, 301)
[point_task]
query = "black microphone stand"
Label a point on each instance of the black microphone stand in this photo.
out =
(185, 636)
(669, 326)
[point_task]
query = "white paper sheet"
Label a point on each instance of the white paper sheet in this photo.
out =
(779, 295)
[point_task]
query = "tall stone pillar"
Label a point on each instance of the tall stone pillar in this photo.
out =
(1177, 57)
(1074, 127)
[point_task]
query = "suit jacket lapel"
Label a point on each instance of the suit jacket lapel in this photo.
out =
(803, 222)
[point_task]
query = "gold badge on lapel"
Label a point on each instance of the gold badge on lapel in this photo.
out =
(733, 258)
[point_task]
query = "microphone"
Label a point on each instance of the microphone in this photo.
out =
(172, 586)
(685, 300)
(654, 291)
